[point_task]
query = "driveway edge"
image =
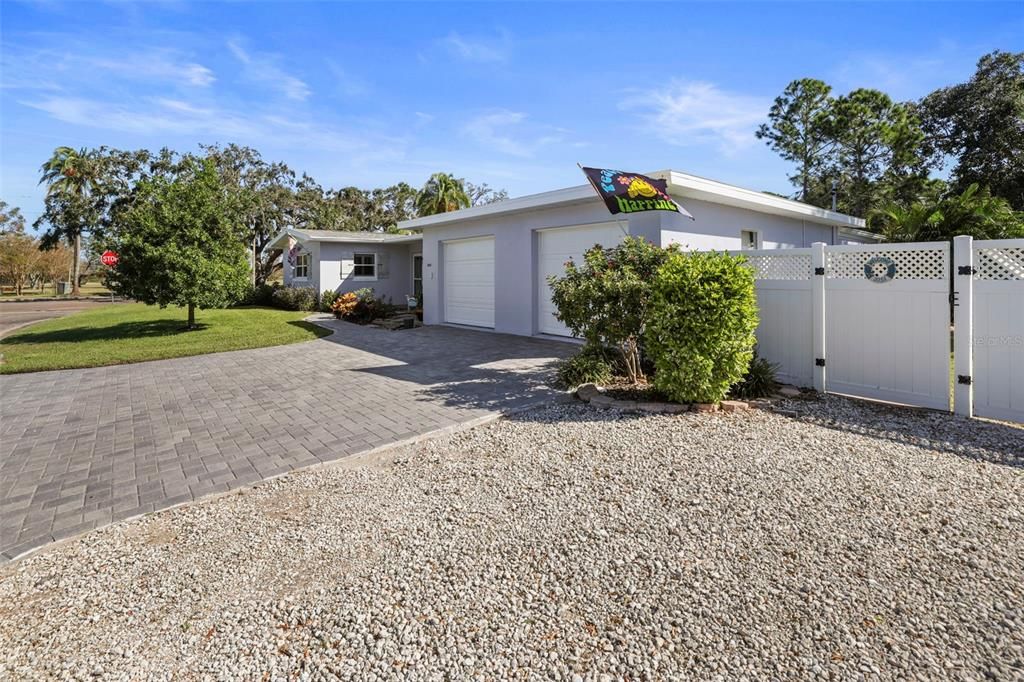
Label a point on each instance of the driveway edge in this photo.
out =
(371, 457)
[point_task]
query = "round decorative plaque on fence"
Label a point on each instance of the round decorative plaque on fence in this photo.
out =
(880, 269)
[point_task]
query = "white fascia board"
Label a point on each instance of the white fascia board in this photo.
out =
(685, 185)
(279, 238)
(279, 241)
(569, 195)
(680, 184)
(861, 234)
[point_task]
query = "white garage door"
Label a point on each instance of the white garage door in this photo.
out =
(469, 282)
(554, 248)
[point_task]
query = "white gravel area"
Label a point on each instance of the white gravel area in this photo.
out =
(846, 541)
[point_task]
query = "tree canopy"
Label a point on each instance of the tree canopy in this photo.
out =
(182, 240)
(880, 154)
(980, 124)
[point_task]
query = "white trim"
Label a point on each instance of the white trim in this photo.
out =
(365, 278)
(308, 266)
(757, 239)
(340, 236)
(682, 184)
(720, 193)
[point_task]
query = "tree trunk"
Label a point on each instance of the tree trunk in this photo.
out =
(191, 315)
(75, 265)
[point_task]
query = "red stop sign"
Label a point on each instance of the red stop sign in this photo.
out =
(109, 258)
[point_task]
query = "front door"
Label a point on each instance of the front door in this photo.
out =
(417, 279)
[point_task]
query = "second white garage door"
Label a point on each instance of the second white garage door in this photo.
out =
(554, 248)
(469, 282)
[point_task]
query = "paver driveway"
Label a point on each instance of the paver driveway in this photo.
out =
(81, 448)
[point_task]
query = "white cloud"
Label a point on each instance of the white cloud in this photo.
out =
(162, 116)
(477, 49)
(504, 131)
(695, 112)
(75, 63)
(262, 68)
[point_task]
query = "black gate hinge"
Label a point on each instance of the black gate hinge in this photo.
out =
(819, 271)
(963, 379)
(965, 270)
(820, 362)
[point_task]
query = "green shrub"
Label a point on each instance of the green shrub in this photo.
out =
(295, 298)
(590, 365)
(261, 295)
(759, 381)
(367, 308)
(327, 300)
(604, 299)
(701, 322)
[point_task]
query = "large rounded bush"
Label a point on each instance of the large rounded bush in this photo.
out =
(700, 327)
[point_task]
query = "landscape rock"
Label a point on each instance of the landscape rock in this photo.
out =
(854, 542)
(587, 392)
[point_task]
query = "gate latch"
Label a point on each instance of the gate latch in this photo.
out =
(819, 362)
(819, 271)
(965, 270)
(963, 379)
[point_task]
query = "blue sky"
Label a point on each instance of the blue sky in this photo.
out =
(514, 95)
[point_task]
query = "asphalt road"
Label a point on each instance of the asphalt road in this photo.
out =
(18, 314)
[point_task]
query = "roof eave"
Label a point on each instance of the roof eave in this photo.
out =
(696, 187)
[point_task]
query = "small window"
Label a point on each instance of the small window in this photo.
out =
(750, 240)
(301, 269)
(365, 265)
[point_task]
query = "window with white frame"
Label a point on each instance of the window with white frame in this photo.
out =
(301, 268)
(364, 266)
(750, 239)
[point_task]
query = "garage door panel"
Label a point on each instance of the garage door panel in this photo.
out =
(469, 282)
(554, 248)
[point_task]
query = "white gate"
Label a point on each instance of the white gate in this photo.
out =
(887, 322)
(784, 333)
(990, 327)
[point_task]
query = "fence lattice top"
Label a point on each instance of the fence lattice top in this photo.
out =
(909, 264)
(781, 266)
(1005, 263)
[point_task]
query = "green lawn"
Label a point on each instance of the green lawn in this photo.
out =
(133, 332)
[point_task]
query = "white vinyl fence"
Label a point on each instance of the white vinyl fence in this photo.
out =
(989, 305)
(873, 321)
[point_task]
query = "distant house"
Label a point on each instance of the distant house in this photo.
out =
(487, 266)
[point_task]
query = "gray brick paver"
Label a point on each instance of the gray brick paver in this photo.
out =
(82, 448)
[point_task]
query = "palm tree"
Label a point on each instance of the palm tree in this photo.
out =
(442, 193)
(73, 174)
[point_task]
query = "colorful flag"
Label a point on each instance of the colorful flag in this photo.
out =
(631, 192)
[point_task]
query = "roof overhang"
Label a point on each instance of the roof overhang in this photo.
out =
(681, 185)
(280, 240)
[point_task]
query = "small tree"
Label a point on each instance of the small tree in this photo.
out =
(19, 255)
(700, 329)
(54, 264)
(604, 300)
(181, 242)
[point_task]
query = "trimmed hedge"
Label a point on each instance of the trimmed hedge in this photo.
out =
(700, 325)
(295, 298)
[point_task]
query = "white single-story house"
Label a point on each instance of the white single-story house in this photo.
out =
(487, 266)
(390, 264)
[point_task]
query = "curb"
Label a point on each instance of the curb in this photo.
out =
(595, 395)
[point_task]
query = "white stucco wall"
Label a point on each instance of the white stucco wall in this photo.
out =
(394, 269)
(515, 290)
(288, 275)
(515, 277)
(718, 227)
